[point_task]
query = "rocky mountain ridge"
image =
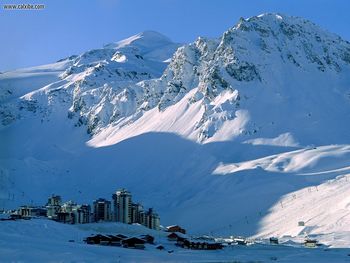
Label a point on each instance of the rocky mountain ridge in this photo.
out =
(115, 85)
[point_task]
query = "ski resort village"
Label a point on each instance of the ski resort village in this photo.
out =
(230, 148)
(124, 211)
(124, 224)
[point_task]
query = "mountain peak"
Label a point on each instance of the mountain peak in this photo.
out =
(278, 17)
(146, 38)
(151, 34)
(280, 22)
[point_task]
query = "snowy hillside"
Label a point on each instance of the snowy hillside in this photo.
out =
(45, 240)
(226, 130)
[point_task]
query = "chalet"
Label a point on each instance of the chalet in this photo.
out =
(310, 242)
(176, 228)
(180, 241)
(185, 243)
(202, 245)
(115, 240)
(134, 242)
(173, 237)
(214, 246)
(148, 238)
(274, 240)
(243, 241)
(196, 245)
(92, 240)
(97, 239)
(105, 240)
(121, 236)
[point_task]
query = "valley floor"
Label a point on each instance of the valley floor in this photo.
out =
(41, 240)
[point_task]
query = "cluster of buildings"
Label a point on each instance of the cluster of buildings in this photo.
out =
(68, 212)
(120, 209)
(120, 240)
(185, 242)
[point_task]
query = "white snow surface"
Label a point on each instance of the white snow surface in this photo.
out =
(40, 240)
(233, 130)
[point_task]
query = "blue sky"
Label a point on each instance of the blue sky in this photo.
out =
(67, 27)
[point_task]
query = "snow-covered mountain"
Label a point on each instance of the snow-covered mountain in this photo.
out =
(230, 88)
(95, 86)
(222, 129)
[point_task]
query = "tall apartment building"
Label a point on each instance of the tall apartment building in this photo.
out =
(68, 207)
(102, 210)
(73, 213)
(122, 206)
(151, 219)
(53, 206)
(82, 214)
(127, 212)
(136, 213)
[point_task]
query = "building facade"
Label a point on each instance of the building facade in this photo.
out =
(82, 214)
(53, 206)
(151, 219)
(122, 206)
(127, 212)
(102, 210)
(70, 212)
(32, 211)
(137, 213)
